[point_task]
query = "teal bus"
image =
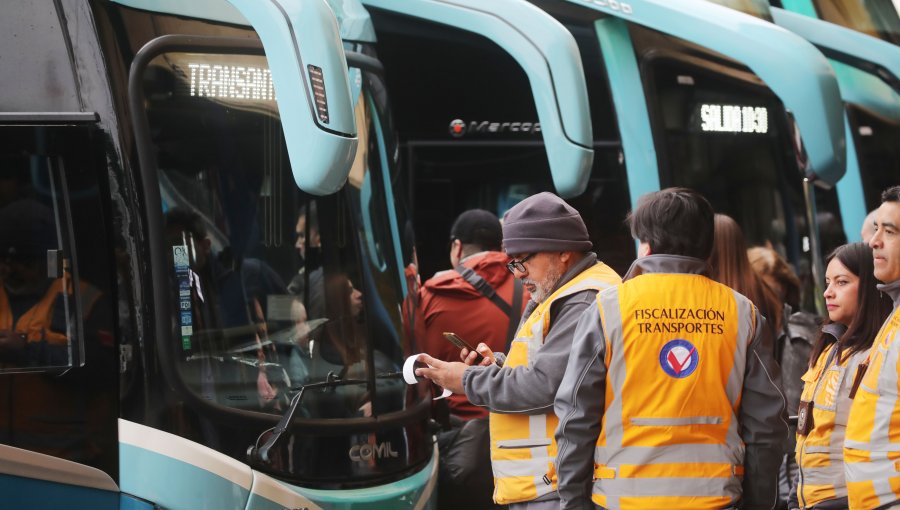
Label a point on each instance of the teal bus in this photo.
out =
(208, 264)
(689, 94)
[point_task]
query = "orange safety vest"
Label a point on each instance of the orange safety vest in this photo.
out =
(676, 350)
(523, 450)
(820, 454)
(872, 443)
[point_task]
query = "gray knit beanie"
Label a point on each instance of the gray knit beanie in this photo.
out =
(543, 222)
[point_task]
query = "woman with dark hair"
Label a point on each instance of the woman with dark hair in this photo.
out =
(730, 266)
(856, 310)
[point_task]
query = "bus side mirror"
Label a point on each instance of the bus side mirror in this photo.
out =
(306, 57)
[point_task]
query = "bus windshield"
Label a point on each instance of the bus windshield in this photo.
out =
(877, 18)
(726, 138)
(272, 288)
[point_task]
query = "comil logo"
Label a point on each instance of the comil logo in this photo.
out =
(459, 128)
(366, 451)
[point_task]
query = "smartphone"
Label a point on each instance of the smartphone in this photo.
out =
(459, 342)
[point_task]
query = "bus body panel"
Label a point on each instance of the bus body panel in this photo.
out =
(850, 191)
(174, 472)
(415, 492)
(550, 58)
(632, 114)
(33, 480)
(21, 492)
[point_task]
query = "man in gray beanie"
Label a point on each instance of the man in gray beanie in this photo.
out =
(549, 244)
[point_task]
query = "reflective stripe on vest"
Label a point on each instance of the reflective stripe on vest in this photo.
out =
(872, 443)
(820, 453)
(523, 449)
(669, 436)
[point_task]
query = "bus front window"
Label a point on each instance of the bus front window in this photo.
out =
(725, 138)
(272, 288)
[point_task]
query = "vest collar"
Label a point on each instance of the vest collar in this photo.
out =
(667, 264)
(834, 329)
(891, 289)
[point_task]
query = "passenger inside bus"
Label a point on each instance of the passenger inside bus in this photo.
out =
(227, 316)
(59, 409)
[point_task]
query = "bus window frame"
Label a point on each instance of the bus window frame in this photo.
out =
(82, 121)
(704, 65)
(175, 43)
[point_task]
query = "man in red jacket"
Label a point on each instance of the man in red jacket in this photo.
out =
(475, 300)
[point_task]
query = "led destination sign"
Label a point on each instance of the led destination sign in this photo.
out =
(734, 119)
(222, 81)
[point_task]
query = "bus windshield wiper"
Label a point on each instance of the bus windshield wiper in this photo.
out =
(257, 454)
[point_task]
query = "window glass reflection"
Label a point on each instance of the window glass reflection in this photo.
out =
(272, 289)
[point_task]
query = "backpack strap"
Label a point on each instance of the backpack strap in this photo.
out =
(475, 280)
(514, 316)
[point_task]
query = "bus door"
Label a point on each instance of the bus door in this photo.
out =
(503, 114)
(868, 71)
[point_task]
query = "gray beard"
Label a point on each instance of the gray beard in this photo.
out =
(544, 288)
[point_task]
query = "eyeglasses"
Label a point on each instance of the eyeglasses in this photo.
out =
(518, 265)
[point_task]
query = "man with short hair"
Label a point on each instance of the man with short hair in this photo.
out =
(552, 257)
(671, 398)
(871, 445)
(478, 299)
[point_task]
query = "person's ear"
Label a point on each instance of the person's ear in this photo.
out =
(455, 251)
(644, 249)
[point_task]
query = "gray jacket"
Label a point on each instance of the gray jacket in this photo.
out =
(891, 289)
(580, 404)
(531, 389)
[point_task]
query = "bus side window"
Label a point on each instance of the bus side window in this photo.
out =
(58, 364)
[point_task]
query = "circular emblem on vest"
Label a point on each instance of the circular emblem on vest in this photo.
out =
(679, 358)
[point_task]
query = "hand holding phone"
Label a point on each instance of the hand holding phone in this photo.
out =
(462, 344)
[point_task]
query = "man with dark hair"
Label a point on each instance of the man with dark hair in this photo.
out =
(871, 443)
(671, 397)
(478, 289)
(688, 232)
(552, 257)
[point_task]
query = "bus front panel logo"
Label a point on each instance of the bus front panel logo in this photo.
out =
(459, 128)
(366, 451)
